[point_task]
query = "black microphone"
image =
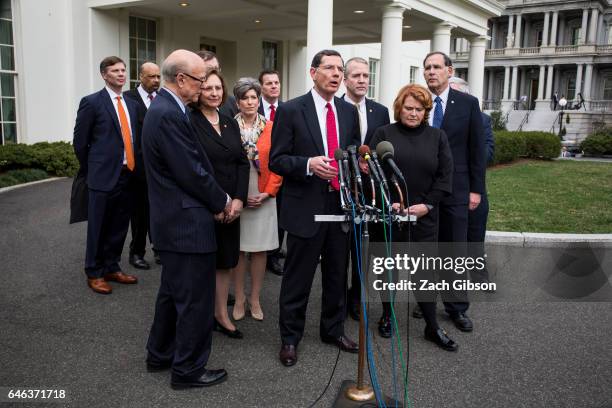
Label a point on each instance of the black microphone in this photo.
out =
(347, 172)
(386, 151)
(364, 151)
(352, 150)
(338, 156)
(386, 194)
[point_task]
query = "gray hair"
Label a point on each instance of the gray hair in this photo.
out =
(461, 83)
(170, 69)
(354, 59)
(244, 85)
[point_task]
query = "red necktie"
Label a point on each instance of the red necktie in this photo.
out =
(332, 141)
(272, 112)
(151, 97)
(126, 135)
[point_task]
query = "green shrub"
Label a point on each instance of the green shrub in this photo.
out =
(13, 177)
(498, 121)
(542, 145)
(509, 146)
(56, 158)
(598, 143)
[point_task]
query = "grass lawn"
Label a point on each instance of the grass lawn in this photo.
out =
(555, 196)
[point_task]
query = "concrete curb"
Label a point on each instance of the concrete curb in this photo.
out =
(548, 240)
(5, 189)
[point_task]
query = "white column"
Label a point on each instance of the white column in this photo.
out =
(390, 57)
(527, 36)
(510, 38)
(593, 26)
(549, 82)
(579, 78)
(545, 31)
(441, 37)
(519, 29)
(494, 31)
(541, 82)
(491, 84)
(561, 30)
(583, 28)
(514, 84)
(478, 46)
(553, 33)
(506, 82)
(588, 77)
(319, 32)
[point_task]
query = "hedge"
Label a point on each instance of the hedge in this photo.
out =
(14, 177)
(598, 143)
(510, 146)
(56, 158)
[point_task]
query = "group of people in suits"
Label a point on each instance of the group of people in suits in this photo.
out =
(214, 171)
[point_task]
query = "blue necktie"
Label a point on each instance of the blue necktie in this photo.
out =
(438, 113)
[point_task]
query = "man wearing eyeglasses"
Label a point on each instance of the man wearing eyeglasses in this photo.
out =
(307, 130)
(185, 200)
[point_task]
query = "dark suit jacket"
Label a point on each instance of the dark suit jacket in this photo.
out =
(229, 108)
(489, 140)
(260, 110)
(98, 143)
(463, 126)
(377, 116)
(133, 95)
(183, 194)
(296, 136)
(225, 153)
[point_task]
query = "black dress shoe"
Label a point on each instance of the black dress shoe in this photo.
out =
(234, 334)
(274, 266)
(343, 343)
(210, 377)
(231, 299)
(138, 262)
(417, 313)
(441, 339)
(354, 310)
(384, 327)
(156, 258)
(157, 367)
(288, 355)
(462, 322)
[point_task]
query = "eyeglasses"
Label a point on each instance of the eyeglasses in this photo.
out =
(201, 81)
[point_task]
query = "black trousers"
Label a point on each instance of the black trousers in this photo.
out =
(331, 244)
(184, 313)
(453, 228)
(477, 230)
(281, 232)
(107, 226)
(140, 218)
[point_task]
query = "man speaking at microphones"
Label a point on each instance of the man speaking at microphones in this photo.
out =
(307, 130)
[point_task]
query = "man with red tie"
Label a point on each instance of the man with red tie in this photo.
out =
(270, 94)
(307, 130)
(104, 145)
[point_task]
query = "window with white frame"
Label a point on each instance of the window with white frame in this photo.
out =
(269, 55)
(143, 42)
(607, 93)
(8, 75)
(373, 87)
(414, 74)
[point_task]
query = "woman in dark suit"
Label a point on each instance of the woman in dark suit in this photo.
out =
(220, 137)
(423, 155)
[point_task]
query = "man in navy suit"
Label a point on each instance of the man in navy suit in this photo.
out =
(143, 95)
(269, 103)
(185, 200)
(459, 115)
(372, 115)
(307, 130)
(104, 132)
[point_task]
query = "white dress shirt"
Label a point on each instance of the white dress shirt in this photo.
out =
(322, 117)
(113, 97)
(267, 107)
(444, 97)
(144, 95)
(363, 115)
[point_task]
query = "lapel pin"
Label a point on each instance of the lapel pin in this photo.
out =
(370, 110)
(452, 101)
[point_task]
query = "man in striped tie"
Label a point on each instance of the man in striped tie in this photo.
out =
(104, 145)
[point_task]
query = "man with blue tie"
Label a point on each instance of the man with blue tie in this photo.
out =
(459, 115)
(185, 200)
(104, 146)
(307, 130)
